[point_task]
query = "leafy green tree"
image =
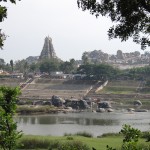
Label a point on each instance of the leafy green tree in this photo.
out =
(104, 72)
(68, 66)
(3, 15)
(34, 67)
(19, 65)
(8, 128)
(131, 138)
(131, 18)
(49, 65)
(87, 69)
(100, 72)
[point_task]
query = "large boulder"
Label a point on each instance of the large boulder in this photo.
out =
(104, 104)
(57, 101)
(137, 103)
(76, 104)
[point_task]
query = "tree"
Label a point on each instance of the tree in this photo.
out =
(3, 15)
(68, 66)
(8, 128)
(19, 65)
(131, 138)
(2, 63)
(49, 65)
(12, 65)
(85, 59)
(131, 18)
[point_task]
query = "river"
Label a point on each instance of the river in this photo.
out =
(94, 123)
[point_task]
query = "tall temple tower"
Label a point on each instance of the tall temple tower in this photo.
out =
(48, 51)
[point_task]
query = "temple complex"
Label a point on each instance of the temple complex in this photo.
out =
(48, 51)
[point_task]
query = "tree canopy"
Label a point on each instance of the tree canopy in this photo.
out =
(131, 18)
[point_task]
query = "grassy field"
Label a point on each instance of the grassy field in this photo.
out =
(98, 143)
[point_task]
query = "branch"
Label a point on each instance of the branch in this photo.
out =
(146, 4)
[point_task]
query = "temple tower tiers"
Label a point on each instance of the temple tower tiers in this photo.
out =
(48, 51)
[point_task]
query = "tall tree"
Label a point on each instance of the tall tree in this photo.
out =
(131, 18)
(2, 63)
(8, 127)
(12, 65)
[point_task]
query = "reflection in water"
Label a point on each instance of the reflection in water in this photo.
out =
(95, 123)
(64, 120)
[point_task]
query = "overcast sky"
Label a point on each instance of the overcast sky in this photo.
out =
(72, 30)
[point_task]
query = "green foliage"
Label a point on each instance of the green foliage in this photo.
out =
(98, 72)
(68, 66)
(69, 138)
(44, 143)
(109, 134)
(73, 145)
(130, 140)
(146, 135)
(8, 128)
(49, 66)
(84, 134)
(131, 137)
(36, 110)
(21, 66)
(32, 143)
(131, 18)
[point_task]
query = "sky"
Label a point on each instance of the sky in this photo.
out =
(72, 30)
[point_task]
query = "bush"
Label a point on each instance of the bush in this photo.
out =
(108, 134)
(32, 143)
(43, 143)
(84, 134)
(69, 138)
(74, 145)
(146, 135)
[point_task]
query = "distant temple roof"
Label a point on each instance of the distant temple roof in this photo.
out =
(48, 49)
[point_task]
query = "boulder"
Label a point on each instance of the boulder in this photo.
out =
(137, 103)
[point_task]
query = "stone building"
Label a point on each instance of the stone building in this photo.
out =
(48, 51)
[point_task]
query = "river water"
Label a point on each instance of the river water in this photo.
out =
(94, 123)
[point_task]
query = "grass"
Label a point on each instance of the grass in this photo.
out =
(44, 142)
(25, 109)
(98, 143)
(118, 90)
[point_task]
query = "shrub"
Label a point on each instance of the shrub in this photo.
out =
(146, 135)
(108, 134)
(69, 138)
(84, 134)
(74, 145)
(33, 143)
